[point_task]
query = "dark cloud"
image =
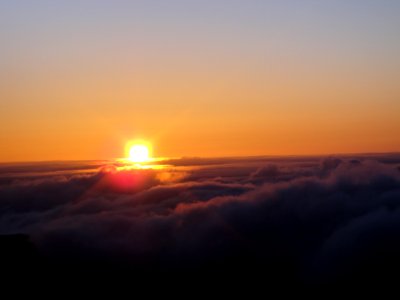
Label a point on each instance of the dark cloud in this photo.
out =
(268, 171)
(329, 164)
(301, 221)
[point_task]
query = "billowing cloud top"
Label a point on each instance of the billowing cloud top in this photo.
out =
(299, 219)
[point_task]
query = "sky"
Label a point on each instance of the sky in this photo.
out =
(78, 79)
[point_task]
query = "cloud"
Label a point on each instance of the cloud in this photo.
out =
(268, 171)
(326, 220)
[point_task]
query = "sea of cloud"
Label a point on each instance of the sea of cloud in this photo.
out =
(297, 219)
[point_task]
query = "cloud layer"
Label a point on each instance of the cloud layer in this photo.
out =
(305, 220)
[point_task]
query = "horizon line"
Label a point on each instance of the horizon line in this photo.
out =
(210, 157)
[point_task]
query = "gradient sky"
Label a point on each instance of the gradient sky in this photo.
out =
(78, 79)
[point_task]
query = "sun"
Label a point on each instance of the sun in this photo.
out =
(139, 153)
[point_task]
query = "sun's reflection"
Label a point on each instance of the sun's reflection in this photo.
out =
(155, 163)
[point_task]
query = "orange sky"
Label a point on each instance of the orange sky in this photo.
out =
(73, 90)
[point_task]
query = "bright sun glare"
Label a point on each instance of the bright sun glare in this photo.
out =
(139, 153)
